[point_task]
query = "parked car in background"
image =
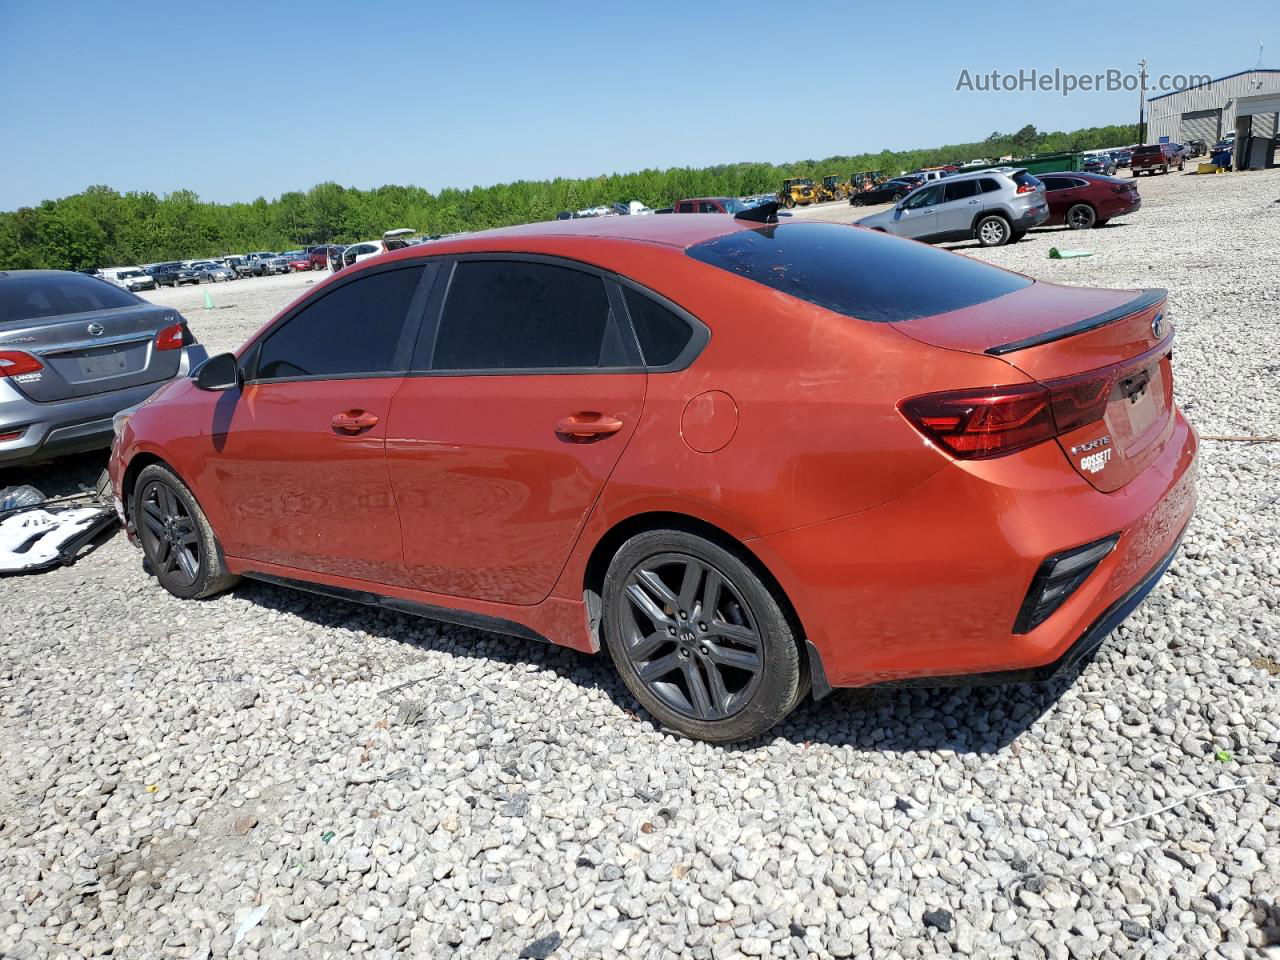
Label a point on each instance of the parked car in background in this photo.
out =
(298, 260)
(994, 207)
(73, 352)
(1010, 484)
(1098, 163)
(238, 265)
(212, 271)
(189, 274)
(319, 256)
(1121, 157)
(891, 191)
(164, 274)
(1156, 158)
(1196, 148)
(134, 279)
(710, 205)
(396, 239)
(265, 264)
(1084, 200)
(335, 257)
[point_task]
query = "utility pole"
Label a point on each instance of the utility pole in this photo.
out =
(1142, 100)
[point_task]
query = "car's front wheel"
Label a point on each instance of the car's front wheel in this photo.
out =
(858, 202)
(993, 231)
(699, 638)
(1081, 216)
(177, 541)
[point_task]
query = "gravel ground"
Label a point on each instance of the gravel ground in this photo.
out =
(389, 786)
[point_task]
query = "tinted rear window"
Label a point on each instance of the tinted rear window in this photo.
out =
(52, 295)
(1146, 151)
(857, 272)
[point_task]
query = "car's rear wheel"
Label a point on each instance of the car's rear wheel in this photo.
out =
(699, 638)
(858, 202)
(177, 541)
(993, 231)
(1081, 216)
(1017, 235)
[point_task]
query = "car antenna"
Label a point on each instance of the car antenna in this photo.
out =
(766, 212)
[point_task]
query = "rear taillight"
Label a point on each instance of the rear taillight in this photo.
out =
(994, 421)
(172, 338)
(14, 363)
(1026, 188)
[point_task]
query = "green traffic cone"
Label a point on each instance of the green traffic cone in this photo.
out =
(208, 301)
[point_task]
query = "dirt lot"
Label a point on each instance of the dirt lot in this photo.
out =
(269, 774)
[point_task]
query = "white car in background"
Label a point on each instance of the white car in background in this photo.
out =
(391, 240)
(133, 279)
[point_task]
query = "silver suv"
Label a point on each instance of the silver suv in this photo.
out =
(994, 207)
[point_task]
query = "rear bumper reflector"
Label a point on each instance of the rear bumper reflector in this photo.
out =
(1058, 577)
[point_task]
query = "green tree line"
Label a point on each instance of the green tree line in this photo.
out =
(102, 227)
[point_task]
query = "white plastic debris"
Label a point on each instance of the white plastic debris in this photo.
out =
(33, 539)
(248, 923)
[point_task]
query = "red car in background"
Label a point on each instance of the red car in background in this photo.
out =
(297, 261)
(1154, 157)
(319, 257)
(1084, 200)
(710, 205)
(702, 442)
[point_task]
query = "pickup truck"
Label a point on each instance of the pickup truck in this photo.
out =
(1157, 157)
(265, 264)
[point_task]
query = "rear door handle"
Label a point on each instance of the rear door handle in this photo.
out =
(587, 425)
(353, 421)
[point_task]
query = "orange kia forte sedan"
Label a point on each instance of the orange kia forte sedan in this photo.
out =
(752, 459)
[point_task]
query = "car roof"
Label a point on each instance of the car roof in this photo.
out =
(680, 232)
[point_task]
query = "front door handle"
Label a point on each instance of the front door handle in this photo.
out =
(353, 421)
(587, 426)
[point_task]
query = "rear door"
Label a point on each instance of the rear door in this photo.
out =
(88, 335)
(525, 389)
(961, 203)
(299, 458)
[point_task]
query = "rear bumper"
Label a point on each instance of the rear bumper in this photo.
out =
(72, 426)
(929, 585)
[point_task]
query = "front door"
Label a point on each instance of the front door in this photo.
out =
(523, 395)
(917, 216)
(298, 463)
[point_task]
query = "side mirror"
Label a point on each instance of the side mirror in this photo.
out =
(219, 373)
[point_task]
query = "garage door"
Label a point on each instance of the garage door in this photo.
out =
(1200, 125)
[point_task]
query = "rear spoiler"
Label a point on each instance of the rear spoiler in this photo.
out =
(766, 212)
(1147, 299)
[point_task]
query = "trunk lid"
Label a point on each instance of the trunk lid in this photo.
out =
(93, 352)
(1106, 351)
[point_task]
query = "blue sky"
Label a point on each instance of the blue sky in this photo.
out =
(237, 100)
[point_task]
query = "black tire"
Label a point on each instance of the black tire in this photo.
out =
(1017, 235)
(1135, 174)
(1081, 216)
(898, 196)
(858, 202)
(1101, 223)
(729, 676)
(993, 231)
(789, 202)
(178, 544)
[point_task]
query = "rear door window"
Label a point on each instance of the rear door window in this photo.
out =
(989, 184)
(857, 272)
(960, 190)
(662, 333)
(351, 330)
(508, 315)
(1056, 183)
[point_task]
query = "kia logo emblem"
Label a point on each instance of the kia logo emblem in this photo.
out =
(95, 329)
(1157, 326)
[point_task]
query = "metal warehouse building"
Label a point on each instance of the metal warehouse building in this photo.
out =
(1245, 103)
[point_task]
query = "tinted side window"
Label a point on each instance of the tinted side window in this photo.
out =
(353, 329)
(961, 190)
(1055, 183)
(989, 185)
(514, 315)
(923, 198)
(662, 334)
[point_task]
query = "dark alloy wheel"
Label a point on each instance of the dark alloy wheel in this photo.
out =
(1081, 216)
(690, 636)
(858, 201)
(177, 541)
(169, 535)
(698, 638)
